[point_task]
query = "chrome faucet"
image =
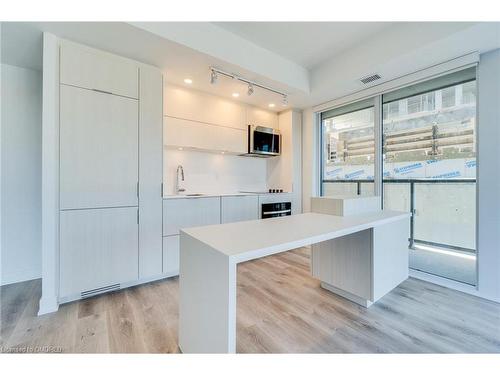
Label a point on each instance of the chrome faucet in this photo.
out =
(177, 187)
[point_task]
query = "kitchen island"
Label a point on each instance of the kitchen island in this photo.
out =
(377, 261)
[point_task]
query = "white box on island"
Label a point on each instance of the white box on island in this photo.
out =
(345, 205)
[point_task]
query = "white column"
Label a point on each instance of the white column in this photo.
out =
(488, 176)
(50, 175)
(207, 299)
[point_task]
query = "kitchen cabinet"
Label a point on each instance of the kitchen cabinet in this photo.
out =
(110, 172)
(98, 149)
(204, 108)
(150, 173)
(92, 69)
(239, 208)
(98, 249)
(189, 212)
(200, 136)
(171, 255)
(260, 117)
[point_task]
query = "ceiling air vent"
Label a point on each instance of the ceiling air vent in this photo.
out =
(370, 79)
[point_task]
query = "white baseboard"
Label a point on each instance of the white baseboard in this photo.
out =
(76, 297)
(48, 305)
(19, 276)
(447, 283)
(351, 297)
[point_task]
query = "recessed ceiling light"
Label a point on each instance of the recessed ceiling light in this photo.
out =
(235, 94)
(180, 148)
(272, 105)
(188, 81)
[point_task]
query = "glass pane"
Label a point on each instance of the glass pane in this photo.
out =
(348, 151)
(367, 188)
(429, 158)
(445, 214)
(265, 142)
(397, 197)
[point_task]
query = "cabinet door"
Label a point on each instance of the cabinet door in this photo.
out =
(231, 140)
(181, 213)
(345, 263)
(98, 248)
(98, 149)
(260, 117)
(171, 255)
(196, 135)
(89, 68)
(201, 107)
(239, 208)
(150, 173)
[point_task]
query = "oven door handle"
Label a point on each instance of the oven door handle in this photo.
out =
(276, 212)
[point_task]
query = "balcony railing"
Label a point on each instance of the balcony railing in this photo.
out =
(443, 211)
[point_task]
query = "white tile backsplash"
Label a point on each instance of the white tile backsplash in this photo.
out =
(211, 173)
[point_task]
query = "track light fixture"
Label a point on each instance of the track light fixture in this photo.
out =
(213, 77)
(215, 72)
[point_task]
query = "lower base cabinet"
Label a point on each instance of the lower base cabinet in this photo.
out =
(239, 208)
(98, 248)
(171, 255)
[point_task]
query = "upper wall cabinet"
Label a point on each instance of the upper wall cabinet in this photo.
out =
(260, 117)
(201, 107)
(196, 135)
(96, 70)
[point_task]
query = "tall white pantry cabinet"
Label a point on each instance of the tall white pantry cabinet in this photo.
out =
(109, 173)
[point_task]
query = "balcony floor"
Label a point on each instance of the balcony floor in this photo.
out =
(449, 264)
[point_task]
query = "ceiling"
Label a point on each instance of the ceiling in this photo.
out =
(273, 54)
(306, 43)
(22, 46)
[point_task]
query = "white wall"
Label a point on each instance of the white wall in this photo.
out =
(206, 172)
(489, 175)
(399, 50)
(285, 172)
(310, 159)
(21, 174)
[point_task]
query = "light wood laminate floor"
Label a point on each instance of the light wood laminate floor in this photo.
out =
(281, 308)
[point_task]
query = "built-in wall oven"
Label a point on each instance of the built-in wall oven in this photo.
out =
(263, 141)
(276, 209)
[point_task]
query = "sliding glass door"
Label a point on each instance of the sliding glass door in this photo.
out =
(428, 165)
(429, 168)
(348, 150)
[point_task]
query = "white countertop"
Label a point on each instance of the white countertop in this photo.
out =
(246, 240)
(203, 195)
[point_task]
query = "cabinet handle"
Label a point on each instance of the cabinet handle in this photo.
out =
(276, 212)
(102, 91)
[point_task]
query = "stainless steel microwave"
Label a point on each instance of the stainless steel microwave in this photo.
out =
(263, 142)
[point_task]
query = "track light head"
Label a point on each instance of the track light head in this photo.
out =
(284, 102)
(250, 89)
(213, 77)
